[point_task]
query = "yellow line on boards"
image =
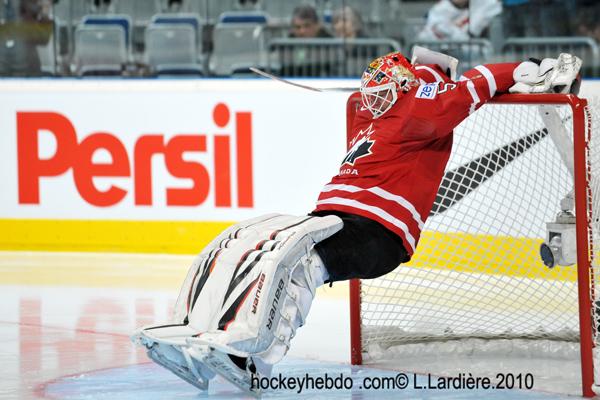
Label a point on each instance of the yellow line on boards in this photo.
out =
(460, 252)
(487, 254)
(172, 237)
(95, 253)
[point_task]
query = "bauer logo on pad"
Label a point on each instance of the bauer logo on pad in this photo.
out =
(427, 91)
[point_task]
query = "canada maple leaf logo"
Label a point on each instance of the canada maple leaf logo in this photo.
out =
(361, 146)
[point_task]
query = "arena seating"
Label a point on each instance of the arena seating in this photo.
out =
(238, 42)
(224, 38)
(172, 49)
(102, 45)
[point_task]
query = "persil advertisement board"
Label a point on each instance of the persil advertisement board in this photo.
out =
(163, 150)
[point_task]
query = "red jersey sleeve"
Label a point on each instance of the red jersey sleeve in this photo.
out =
(490, 79)
(452, 102)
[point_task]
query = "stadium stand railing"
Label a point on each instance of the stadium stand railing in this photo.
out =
(541, 47)
(470, 52)
(325, 57)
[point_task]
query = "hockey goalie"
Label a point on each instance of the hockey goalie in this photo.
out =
(251, 288)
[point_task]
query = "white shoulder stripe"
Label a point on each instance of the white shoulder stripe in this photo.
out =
(474, 95)
(472, 92)
(374, 210)
(384, 194)
(438, 77)
(489, 77)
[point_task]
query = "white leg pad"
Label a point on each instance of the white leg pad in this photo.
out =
(244, 296)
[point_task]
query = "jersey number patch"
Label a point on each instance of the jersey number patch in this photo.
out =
(444, 87)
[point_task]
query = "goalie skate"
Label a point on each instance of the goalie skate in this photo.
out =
(239, 371)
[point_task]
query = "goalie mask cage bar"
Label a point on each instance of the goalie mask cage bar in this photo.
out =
(477, 272)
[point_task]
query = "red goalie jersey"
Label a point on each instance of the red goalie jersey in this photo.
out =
(396, 162)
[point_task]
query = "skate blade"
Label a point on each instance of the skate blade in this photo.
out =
(200, 381)
(158, 351)
(222, 365)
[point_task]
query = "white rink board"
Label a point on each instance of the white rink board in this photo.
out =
(298, 140)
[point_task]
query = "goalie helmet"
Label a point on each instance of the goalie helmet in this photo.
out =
(383, 80)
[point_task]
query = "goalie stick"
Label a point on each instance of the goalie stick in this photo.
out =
(314, 89)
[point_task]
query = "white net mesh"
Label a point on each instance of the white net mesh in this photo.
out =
(477, 273)
(593, 190)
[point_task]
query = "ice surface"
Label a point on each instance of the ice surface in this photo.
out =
(65, 321)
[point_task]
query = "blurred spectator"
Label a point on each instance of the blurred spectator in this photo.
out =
(22, 29)
(588, 18)
(452, 20)
(447, 19)
(102, 6)
(174, 6)
(306, 24)
(556, 17)
(248, 4)
(530, 18)
(517, 18)
(347, 23)
(481, 14)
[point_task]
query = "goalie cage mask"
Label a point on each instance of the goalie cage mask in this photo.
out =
(384, 79)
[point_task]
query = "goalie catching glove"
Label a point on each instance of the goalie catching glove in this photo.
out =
(551, 75)
(242, 301)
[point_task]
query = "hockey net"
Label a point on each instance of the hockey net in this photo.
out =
(476, 287)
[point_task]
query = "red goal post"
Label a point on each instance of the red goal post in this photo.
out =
(580, 123)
